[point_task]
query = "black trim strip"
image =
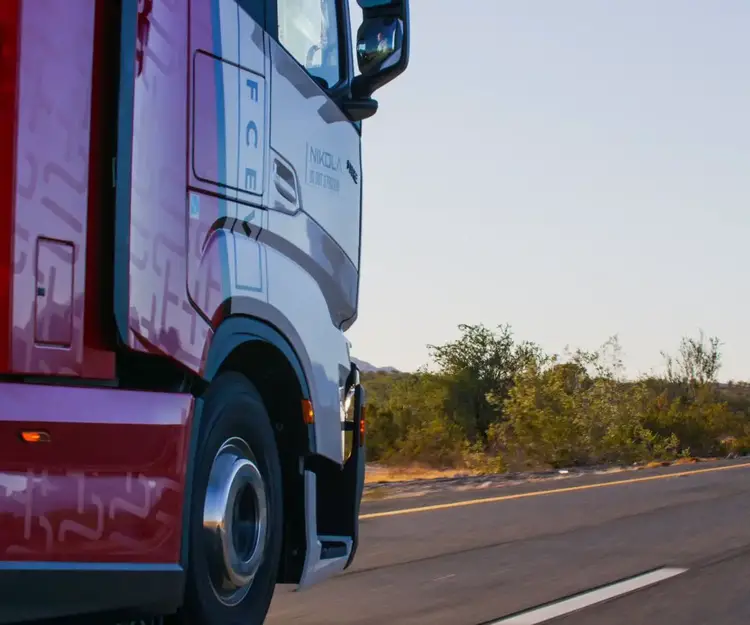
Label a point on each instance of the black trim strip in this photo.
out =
(32, 591)
(124, 173)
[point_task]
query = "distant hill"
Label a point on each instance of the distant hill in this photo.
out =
(366, 367)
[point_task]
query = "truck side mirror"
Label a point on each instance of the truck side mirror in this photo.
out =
(382, 51)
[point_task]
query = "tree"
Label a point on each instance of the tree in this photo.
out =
(482, 364)
(697, 362)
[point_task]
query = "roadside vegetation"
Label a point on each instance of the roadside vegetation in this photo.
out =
(492, 404)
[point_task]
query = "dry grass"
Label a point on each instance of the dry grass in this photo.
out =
(380, 474)
(670, 463)
(656, 464)
(690, 460)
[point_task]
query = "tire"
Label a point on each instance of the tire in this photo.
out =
(236, 433)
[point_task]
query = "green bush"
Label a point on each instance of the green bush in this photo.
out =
(494, 403)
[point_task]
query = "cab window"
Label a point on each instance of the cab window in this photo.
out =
(309, 30)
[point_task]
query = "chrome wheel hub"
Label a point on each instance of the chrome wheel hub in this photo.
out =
(235, 521)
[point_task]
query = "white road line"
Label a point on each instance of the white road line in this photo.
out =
(586, 599)
(440, 579)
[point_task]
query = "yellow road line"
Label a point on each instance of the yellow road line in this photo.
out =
(570, 489)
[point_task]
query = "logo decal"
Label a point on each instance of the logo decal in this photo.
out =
(251, 141)
(323, 169)
(352, 171)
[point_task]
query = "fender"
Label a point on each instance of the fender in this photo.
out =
(241, 328)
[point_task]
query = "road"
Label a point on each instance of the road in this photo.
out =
(492, 557)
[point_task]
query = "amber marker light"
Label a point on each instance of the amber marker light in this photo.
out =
(35, 436)
(362, 427)
(308, 414)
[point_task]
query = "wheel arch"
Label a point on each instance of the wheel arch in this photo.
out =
(234, 331)
(273, 364)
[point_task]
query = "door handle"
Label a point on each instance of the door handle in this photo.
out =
(285, 181)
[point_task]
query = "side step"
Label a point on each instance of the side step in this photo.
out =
(332, 500)
(333, 547)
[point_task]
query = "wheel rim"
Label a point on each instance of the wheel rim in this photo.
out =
(235, 521)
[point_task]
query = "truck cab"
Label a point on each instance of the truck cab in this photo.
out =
(181, 426)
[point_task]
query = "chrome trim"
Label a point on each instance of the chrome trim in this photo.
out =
(235, 521)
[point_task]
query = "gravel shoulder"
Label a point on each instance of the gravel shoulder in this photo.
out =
(431, 482)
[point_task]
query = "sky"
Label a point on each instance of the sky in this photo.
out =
(576, 169)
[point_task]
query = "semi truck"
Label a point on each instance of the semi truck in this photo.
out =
(181, 425)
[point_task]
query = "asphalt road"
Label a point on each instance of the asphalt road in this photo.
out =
(456, 559)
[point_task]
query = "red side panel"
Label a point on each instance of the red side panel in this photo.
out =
(9, 33)
(52, 178)
(107, 487)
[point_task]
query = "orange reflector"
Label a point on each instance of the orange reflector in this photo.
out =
(362, 427)
(308, 414)
(35, 436)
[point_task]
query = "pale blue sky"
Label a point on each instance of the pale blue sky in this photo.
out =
(576, 168)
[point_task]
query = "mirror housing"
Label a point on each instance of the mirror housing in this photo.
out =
(382, 46)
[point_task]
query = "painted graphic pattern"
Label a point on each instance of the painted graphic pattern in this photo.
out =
(109, 485)
(161, 314)
(102, 519)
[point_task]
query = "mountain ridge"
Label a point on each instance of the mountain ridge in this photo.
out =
(367, 367)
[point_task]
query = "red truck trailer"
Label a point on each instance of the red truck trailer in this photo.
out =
(181, 426)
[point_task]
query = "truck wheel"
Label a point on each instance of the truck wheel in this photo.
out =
(237, 507)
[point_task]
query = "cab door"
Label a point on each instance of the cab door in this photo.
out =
(315, 169)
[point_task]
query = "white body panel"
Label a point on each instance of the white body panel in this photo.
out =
(314, 296)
